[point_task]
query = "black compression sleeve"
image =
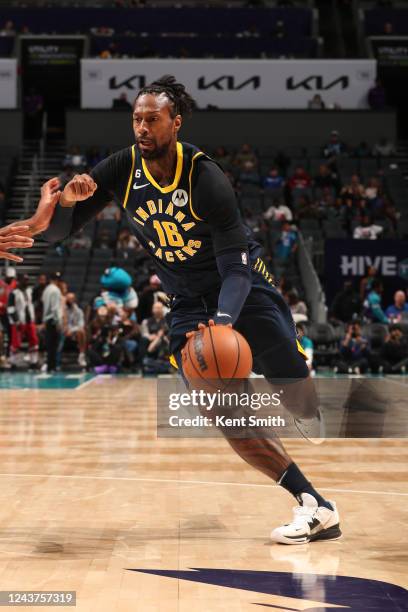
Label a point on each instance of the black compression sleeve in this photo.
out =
(214, 201)
(235, 271)
(111, 175)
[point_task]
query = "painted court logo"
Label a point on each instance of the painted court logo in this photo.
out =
(339, 592)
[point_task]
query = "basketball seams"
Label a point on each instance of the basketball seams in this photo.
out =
(214, 353)
(239, 354)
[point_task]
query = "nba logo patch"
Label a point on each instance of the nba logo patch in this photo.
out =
(244, 258)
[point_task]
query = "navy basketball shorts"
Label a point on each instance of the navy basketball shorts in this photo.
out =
(265, 321)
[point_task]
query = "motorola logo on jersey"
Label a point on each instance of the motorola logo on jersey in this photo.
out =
(179, 197)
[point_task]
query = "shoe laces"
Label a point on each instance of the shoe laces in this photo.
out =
(302, 515)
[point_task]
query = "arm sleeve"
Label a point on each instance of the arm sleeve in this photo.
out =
(111, 175)
(215, 203)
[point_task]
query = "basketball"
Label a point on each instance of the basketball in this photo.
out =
(217, 352)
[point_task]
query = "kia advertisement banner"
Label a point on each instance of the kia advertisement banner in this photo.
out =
(350, 260)
(8, 83)
(234, 83)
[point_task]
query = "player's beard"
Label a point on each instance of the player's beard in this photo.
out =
(155, 152)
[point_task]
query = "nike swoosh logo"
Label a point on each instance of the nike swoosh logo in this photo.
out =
(223, 314)
(140, 186)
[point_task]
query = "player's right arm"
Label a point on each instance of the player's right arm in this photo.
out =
(87, 195)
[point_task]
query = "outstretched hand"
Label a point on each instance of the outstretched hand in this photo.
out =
(12, 237)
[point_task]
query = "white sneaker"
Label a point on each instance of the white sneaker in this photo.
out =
(82, 360)
(310, 523)
(313, 429)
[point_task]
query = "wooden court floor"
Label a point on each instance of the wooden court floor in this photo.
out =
(92, 501)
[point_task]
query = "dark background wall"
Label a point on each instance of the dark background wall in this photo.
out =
(11, 128)
(277, 128)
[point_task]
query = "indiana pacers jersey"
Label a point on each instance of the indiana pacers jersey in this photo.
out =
(166, 224)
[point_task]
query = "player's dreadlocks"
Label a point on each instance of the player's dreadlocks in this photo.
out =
(181, 101)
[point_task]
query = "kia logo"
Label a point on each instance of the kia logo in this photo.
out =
(317, 83)
(228, 83)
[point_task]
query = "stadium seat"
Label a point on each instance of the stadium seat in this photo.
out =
(324, 339)
(376, 334)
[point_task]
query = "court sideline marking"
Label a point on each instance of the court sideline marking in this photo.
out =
(192, 482)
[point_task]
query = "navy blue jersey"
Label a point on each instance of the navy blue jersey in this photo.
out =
(183, 226)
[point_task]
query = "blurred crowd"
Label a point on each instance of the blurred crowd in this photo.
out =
(44, 326)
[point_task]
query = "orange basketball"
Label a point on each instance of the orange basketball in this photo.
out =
(216, 352)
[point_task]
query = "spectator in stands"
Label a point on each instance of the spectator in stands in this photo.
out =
(299, 180)
(334, 149)
(273, 180)
(134, 344)
(362, 150)
(367, 230)
(346, 304)
(376, 96)
(75, 159)
(104, 240)
(307, 208)
(354, 352)
(366, 283)
(151, 294)
(222, 157)
(394, 353)
(74, 327)
(126, 240)
(297, 307)
(395, 311)
(52, 320)
(37, 297)
(372, 304)
(66, 175)
(384, 148)
(316, 103)
(306, 344)
(324, 178)
(354, 189)
(278, 212)
(6, 286)
(105, 351)
(249, 174)
(372, 189)
(80, 241)
(111, 212)
(154, 329)
(286, 248)
(122, 103)
(21, 315)
(245, 154)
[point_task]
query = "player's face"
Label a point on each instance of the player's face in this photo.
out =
(154, 127)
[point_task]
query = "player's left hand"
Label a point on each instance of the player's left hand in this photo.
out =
(211, 323)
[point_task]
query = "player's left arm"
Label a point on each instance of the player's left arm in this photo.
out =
(214, 201)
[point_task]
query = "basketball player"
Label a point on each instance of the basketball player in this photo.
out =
(183, 211)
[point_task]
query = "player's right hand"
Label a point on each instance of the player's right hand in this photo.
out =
(80, 188)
